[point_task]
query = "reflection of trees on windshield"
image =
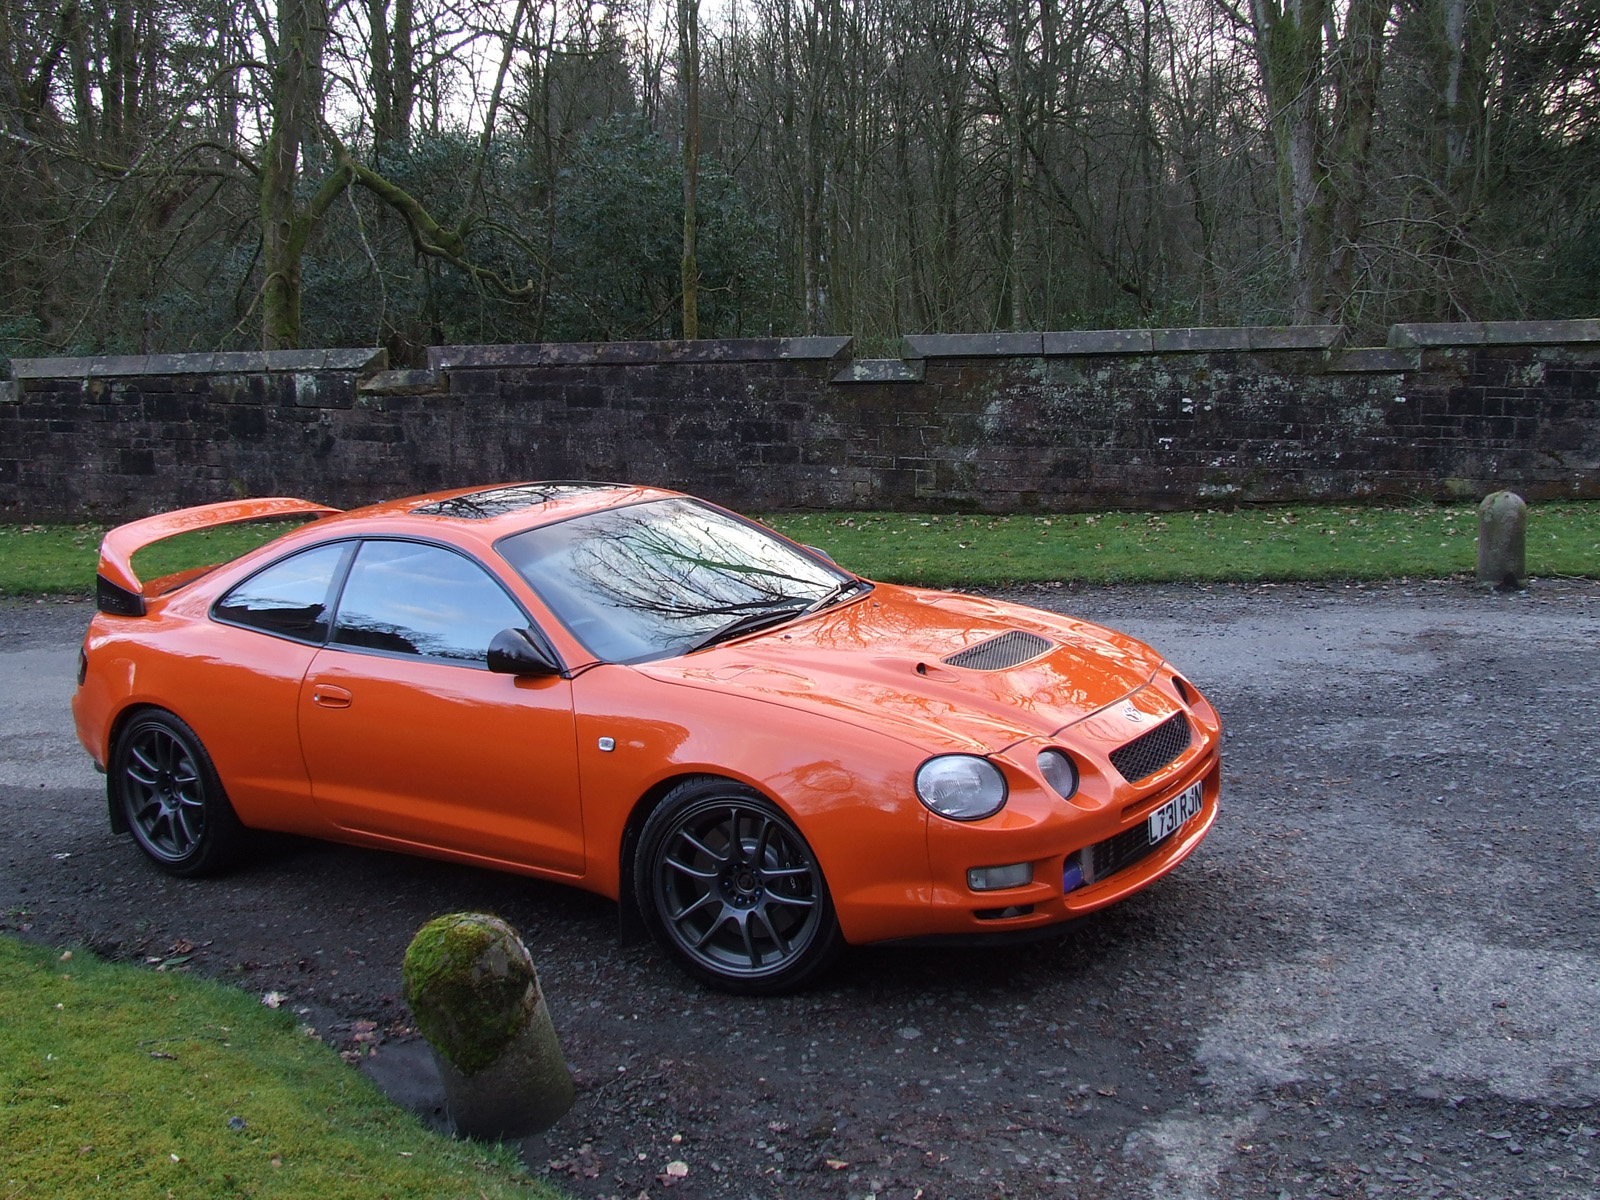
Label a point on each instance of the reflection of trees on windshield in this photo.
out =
(688, 570)
(658, 578)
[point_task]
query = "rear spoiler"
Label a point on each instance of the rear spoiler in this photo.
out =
(118, 590)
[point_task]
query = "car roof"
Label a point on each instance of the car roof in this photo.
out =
(489, 513)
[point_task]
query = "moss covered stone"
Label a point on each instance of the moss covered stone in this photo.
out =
(471, 985)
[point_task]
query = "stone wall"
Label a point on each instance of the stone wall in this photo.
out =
(1164, 418)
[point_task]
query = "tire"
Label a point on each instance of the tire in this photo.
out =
(731, 889)
(166, 789)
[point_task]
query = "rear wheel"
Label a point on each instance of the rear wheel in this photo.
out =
(166, 788)
(730, 887)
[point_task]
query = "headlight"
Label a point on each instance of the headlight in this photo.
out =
(961, 787)
(1059, 771)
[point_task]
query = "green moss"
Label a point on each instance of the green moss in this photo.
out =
(471, 985)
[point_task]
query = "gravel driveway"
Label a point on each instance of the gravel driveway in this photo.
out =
(1379, 976)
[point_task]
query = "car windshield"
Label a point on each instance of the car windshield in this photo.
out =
(665, 577)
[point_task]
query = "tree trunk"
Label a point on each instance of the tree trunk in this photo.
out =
(1014, 306)
(296, 105)
(689, 47)
(403, 74)
(1360, 70)
(814, 180)
(1460, 34)
(120, 57)
(380, 77)
(76, 28)
(1289, 48)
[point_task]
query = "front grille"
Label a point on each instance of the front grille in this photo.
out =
(1128, 847)
(1148, 753)
(998, 653)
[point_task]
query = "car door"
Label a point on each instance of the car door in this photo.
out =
(261, 639)
(406, 733)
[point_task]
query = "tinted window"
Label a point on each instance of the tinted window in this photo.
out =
(654, 579)
(408, 598)
(290, 598)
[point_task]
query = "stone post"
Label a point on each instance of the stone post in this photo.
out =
(471, 985)
(1503, 540)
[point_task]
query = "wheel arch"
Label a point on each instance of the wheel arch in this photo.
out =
(119, 722)
(630, 921)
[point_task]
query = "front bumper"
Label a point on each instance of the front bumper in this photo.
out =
(958, 914)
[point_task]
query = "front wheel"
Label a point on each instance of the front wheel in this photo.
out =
(163, 783)
(730, 887)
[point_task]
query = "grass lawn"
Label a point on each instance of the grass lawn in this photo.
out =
(1302, 542)
(60, 559)
(125, 1082)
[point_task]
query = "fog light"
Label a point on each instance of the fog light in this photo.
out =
(990, 879)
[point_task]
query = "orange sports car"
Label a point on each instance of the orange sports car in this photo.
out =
(761, 755)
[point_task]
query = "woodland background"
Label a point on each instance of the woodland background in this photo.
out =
(225, 174)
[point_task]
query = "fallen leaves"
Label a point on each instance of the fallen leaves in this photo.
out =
(273, 999)
(584, 1164)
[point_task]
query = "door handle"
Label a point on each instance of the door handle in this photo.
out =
(329, 696)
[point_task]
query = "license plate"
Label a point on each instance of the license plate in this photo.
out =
(1174, 812)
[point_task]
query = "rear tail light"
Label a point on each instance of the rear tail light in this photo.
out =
(116, 600)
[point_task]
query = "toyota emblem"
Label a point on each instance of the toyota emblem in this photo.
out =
(1132, 713)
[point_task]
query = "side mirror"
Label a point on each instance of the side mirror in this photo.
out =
(522, 652)
(821, 553)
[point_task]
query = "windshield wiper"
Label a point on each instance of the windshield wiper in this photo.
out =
(748, 623)
(837, 592)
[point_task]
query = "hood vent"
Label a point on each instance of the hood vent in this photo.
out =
(998, 653)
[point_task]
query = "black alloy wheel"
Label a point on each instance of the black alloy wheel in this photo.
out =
(165, 786)
(730, 887)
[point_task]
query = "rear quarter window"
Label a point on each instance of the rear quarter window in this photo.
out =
(292, 598)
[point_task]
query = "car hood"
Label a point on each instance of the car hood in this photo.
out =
(879, 661)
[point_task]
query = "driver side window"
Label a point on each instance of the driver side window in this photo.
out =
(415, 599)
